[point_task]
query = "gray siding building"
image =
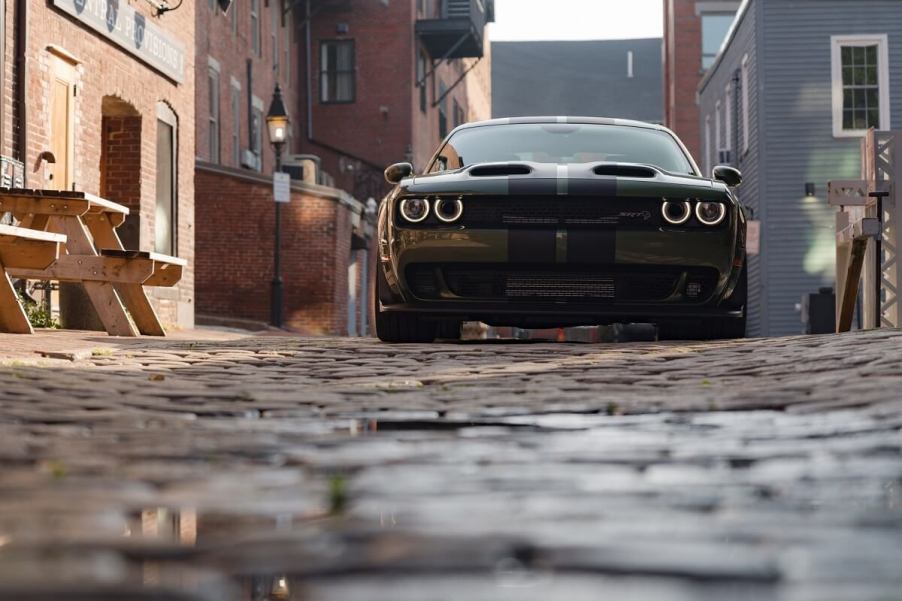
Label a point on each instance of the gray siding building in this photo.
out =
(787, 101)
(608, 78)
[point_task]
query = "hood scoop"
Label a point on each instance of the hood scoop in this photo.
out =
(503, 169)
(625, 171)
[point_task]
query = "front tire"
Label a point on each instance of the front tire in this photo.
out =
(715, 328)
(400, 327)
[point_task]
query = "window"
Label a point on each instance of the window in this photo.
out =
(717, 139)
(707, 161)
(255, 27)
(421, 79)
(274, 35)
(728, 120)
(233, 17)
(257, 135)
(166, 210)
(746, 94)
(287, 71)
(715, 27)
(442, 111)
(236, 122)
(213, 138)
(860, 84)
(337, 71)
(563, 143)
(460, 116)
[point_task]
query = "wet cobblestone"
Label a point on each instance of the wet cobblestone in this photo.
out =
(315, 469)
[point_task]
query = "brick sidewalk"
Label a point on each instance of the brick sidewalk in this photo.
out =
(343, 469)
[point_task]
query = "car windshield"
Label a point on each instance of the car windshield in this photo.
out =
(562, 143)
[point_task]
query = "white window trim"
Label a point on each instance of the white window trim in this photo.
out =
(707, 146)
(837, 42)
(717, 130)
(746, 95)
(728, 118)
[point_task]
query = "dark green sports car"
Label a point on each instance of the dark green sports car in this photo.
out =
(560, 221)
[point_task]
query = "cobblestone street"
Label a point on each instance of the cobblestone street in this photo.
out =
(340, 470)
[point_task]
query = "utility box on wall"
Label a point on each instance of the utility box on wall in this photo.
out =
(819, 312)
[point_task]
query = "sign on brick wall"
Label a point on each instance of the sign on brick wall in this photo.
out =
(132, 31)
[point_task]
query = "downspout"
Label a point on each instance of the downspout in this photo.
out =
(309, 45)
(20, 127)
(250, 109)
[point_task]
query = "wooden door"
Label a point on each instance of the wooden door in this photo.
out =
(60, 175)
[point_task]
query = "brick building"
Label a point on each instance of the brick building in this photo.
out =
(110, 97)
(349, 73)
(693, 33)
(378, 89)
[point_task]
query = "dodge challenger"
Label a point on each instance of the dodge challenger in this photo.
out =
(561, 221)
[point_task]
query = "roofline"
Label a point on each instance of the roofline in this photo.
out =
(740, 14)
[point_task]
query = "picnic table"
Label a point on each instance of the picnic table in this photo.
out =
(25, 249)
(113, 277)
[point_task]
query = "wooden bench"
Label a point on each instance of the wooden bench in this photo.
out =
(22, 248)
(95, 257)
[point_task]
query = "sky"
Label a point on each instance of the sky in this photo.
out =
(517, 20)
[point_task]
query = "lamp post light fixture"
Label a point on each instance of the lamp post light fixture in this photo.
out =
(277, 124)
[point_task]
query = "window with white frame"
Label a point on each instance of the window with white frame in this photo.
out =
(746, 94)
(213, 139)
(707, 161)
(860, 84)
(728, 121)
(274, 35)
(718, 142)
(235, 108)
(256, 46)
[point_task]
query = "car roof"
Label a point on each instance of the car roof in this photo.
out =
(562, 119)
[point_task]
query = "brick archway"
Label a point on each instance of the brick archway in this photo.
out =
(120, 163)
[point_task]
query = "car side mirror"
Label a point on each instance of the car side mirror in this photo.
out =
(728, 175)
(395, 173)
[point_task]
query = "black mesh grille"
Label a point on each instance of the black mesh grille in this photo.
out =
(569, 283)
(570, 212)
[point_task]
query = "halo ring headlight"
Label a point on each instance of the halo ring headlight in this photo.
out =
(710, 213)
(670, 210)
(441, 206)
(415, 210)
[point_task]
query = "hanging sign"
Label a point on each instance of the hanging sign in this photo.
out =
(132, 31)
(753, 238)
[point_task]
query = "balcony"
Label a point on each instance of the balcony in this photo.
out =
(458, 32)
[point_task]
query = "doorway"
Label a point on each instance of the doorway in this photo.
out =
(120, 163)
(60, 174)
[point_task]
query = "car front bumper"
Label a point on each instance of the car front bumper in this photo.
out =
(603, 256)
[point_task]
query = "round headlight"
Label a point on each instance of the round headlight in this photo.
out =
(414, 210)
(449, 210)
(676, 212)
(710, 213)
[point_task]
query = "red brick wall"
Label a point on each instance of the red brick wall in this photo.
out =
(235, 253)
(682, 71)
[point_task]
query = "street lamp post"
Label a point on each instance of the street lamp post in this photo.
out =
(277, 124)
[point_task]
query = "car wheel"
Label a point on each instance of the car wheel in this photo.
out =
(715, 328)
(400, 327)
